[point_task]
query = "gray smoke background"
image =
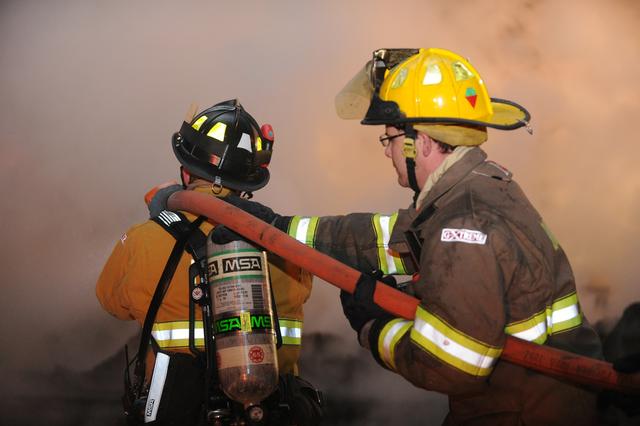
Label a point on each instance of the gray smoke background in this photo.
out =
(91, 92)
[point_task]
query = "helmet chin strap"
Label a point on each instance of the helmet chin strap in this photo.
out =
(409, 151)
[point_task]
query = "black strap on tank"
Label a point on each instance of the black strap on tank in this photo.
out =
(183, 231)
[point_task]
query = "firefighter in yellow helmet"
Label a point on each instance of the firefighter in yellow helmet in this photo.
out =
(223, 151)
(484, 263)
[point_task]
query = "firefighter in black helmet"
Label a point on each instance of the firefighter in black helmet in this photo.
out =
(222, 151)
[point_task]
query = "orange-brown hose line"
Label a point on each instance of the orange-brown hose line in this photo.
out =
(547, 360)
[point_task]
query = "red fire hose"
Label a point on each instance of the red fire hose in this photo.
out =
(550, 361)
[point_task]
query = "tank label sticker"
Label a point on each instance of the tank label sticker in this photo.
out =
(246, 322)
(242, 356)
(230, 296)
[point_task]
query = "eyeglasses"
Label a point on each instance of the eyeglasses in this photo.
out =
(386, 139)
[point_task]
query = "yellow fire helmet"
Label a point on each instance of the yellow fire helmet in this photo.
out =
(434, 90)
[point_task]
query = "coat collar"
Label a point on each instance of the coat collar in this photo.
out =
(451, 177)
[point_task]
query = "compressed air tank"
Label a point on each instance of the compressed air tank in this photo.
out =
(243, 320)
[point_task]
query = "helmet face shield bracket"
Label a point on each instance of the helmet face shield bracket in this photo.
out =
(384, 60)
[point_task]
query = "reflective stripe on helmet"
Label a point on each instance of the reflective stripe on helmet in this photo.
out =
(291, 331)
(389, 337)
(390, 263)
(564, 314)
(303, 229)
(198, 123)
(452, 346)
(175, 334)
(217, 131)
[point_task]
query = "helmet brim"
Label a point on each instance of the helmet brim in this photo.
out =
(507, 115)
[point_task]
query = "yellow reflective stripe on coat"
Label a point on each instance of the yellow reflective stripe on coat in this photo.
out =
(383, 225)
(452, 346)
(291, 331)
(533, 329)
(303, 229)
(389, 337)
(564, 314)
(175, 334)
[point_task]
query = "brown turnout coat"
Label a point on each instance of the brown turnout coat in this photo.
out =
(488, 267)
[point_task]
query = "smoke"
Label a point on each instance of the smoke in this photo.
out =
(91, 92)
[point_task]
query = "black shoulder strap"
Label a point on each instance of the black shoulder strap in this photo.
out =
(177, 225)
(183, 231)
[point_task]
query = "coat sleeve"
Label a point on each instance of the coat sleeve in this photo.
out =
(361, 240)
(130, 275)
(457, 334)
(291, 288)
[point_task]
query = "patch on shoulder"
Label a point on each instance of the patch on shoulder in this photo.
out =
(469, 236)
(123, 238)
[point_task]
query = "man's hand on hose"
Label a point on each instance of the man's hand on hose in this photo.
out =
(223, 235)
(260, 211)
(364, 315)
(359, 307)
(157, 198)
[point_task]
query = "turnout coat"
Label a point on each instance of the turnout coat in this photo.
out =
(129, 278)
(488, 267)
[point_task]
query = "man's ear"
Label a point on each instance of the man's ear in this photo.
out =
(424, 144)
(185, 176)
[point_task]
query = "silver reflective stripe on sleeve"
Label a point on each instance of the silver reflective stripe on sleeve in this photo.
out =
(533, 329)
(291, 331)
(389, 337)
(564, 314)
(175, 334)
(383, 226)
(537, 333)
(451, 346)
(303, 229)
(156, 387)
